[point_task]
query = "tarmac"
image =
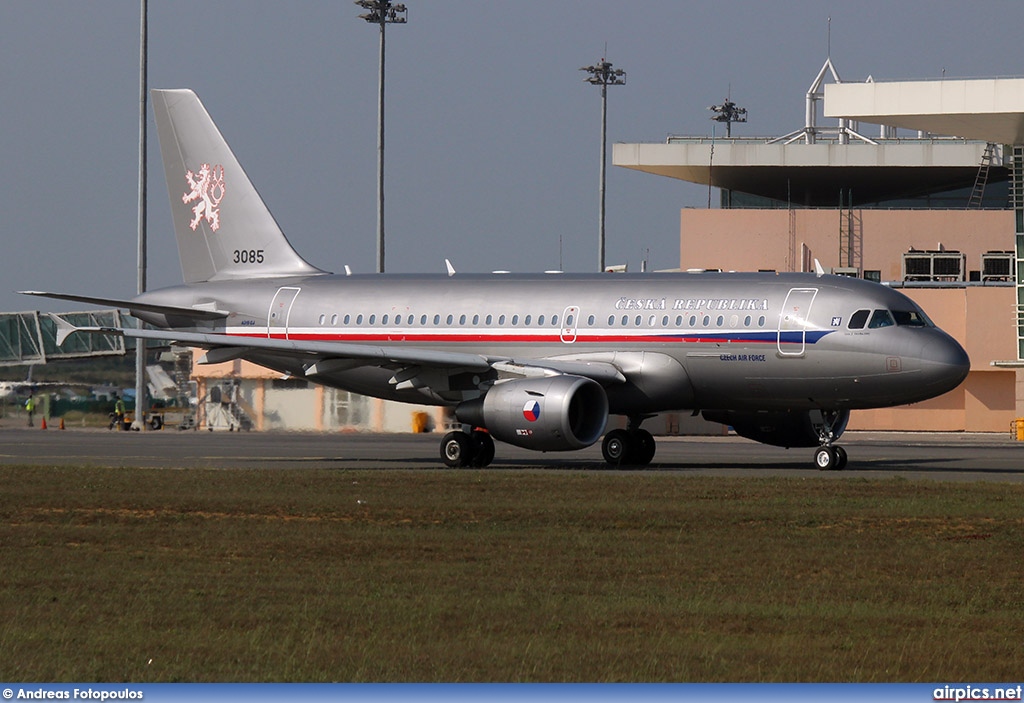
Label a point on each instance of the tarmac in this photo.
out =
(912, 456)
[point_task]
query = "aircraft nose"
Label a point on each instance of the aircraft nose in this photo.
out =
(944, 362)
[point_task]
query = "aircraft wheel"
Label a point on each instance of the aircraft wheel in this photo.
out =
(483, 449)
(456, 449)
(616, 448)
(644, 448)
(841, 458)
(826, 458)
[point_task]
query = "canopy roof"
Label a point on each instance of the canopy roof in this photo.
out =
(991, 110)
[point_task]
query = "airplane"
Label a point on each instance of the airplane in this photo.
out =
(10, 390)
(539, 361)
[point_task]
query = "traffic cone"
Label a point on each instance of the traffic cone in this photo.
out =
(43, 426)
(62, 423)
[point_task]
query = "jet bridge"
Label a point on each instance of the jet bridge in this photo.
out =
(31, 337)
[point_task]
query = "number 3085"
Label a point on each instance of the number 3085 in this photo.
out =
(248, 256)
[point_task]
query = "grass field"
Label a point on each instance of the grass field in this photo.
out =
(206, 575)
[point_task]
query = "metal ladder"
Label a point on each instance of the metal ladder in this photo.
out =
(981, 179)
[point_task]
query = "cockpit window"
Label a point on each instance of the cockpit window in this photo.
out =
(911, 318)
(881, 318)
(858, 319)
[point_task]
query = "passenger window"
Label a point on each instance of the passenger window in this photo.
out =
(359, 319)
(372, 320)
(881, 318)
(611, 320)
(526, 320)
(449, 320)
(476, 320)
(554, 320)
(437, 319)
(590, 321)
(568, 320)
(501, 319)
(540, 321)
(334, 319)
(858, 319)
(323, 318)
(462, 319)
(487, 320)
(384, 320)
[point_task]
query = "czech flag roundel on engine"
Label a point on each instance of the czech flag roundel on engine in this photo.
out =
(531, 411)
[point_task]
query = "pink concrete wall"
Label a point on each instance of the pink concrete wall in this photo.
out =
(748, 240)
(982, 319)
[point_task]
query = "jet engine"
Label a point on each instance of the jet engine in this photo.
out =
(784, 429)
(554, 413)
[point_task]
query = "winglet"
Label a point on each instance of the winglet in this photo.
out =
(451, 269)
(818, 270)
(64, 328)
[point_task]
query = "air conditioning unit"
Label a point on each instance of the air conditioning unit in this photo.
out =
(931, 266)
(998, 266)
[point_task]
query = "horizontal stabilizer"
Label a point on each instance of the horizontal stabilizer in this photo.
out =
(194, 313)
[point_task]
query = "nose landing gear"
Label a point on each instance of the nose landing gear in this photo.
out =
(829, 457)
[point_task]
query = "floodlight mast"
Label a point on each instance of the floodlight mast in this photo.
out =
(728, 112)
(604, 75)
(383, 13)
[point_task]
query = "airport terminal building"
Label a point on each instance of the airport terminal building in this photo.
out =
(929, 212)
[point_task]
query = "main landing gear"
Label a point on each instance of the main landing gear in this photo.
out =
(461, 449)
(632, 447)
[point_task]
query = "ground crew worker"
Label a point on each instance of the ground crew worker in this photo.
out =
(119, 412)
(30, 408)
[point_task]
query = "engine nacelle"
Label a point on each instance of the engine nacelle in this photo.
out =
(555, 413)
(782, 429)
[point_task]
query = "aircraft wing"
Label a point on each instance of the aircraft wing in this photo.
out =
(195, 313)
(322, 355)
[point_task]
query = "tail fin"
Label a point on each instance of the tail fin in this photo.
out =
(224, 229)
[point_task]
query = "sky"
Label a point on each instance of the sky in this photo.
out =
(492, 135)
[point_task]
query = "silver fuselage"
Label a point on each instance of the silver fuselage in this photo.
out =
(736, 341)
